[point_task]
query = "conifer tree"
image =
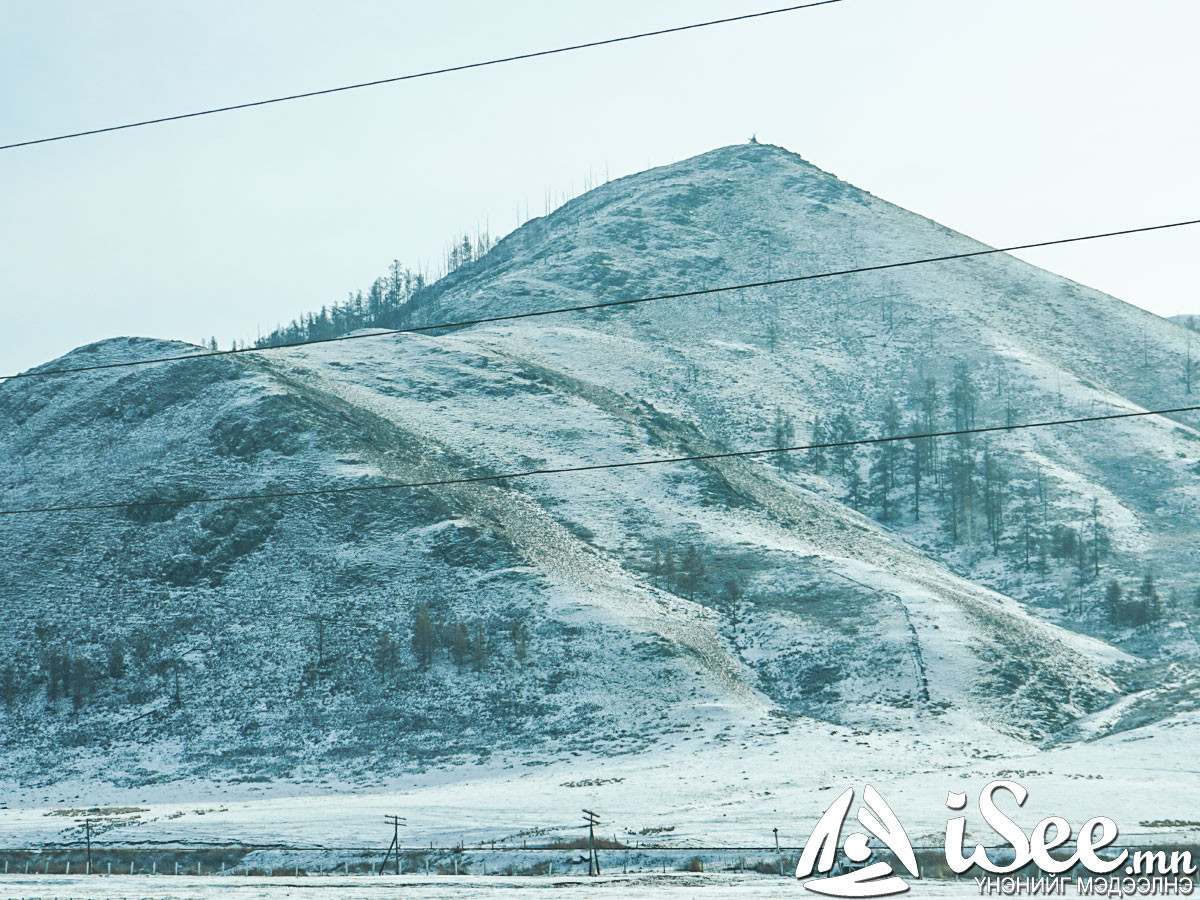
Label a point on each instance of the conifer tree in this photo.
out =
(817, 459)
(918, 451)
(1027, 526)
(387, 653)
(424, 636)
(733, 599)
(841, 431)
(1148, 595)
(693, 570)
(81, 683)
(1114, 601)
(460, 645)
(854, 484)
(886, 462)
(785, 436)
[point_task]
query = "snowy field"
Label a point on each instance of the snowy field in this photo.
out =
(724, 787)
(711, 887)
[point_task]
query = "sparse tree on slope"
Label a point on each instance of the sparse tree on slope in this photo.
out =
(387, 653)
(733, 598)
(854, 483)
(693, 570)
(918, 459)
(924, 399)
(785, 436)
(1114, 601)
(424, 636)
(52, 664)
(818, 458)
(841, 431)
(964, 398)
(81, 683)
(995, 480)
(460, 645)
(1028, 529)
(886, 462)
(1148, 594)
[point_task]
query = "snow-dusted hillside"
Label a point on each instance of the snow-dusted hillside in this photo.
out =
(272, 643)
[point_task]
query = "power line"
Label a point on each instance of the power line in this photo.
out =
(529, 473)
(426, 74)
(607, 304)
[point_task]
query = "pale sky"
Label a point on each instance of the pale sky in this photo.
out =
(1011, 121)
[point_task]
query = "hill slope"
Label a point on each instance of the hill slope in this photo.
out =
(953, 591)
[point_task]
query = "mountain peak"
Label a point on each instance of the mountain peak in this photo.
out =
(453, 621)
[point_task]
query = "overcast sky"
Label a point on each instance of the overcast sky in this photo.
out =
(1011, 121)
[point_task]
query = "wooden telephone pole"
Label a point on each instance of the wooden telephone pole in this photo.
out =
(592, 821)
(396, 822)
(87, 825)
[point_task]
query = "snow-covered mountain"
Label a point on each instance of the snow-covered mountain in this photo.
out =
(956, 592)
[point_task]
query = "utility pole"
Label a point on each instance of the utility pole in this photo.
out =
(592, 821)
(777, 853)
(396, 822)
(87, 825)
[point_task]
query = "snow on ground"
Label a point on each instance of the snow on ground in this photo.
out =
(725, 786)
(711, 887)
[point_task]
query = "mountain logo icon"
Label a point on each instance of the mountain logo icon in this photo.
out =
(853, 876)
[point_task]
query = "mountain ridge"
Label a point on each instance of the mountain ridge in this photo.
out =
(806, 597)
